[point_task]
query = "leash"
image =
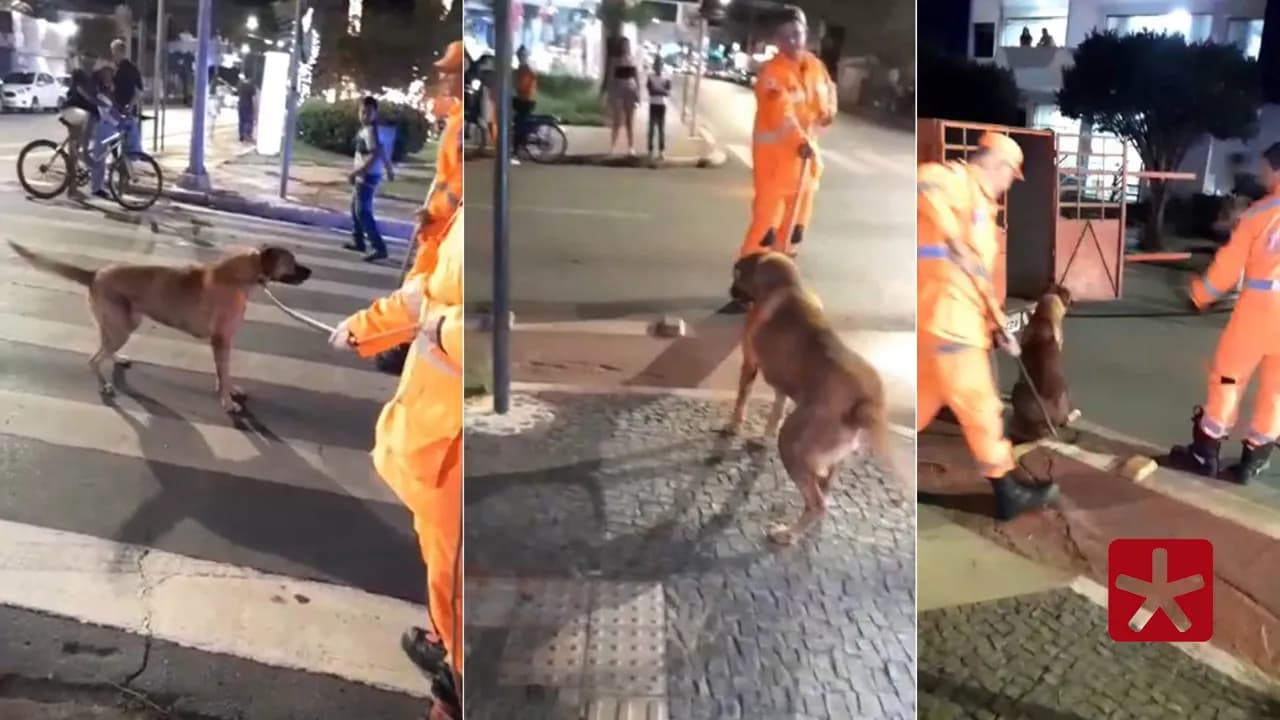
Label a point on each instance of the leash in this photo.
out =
(318, 326)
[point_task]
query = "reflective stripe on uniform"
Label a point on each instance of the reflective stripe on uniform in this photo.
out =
(942, 252)
(1257, 439)
(1213, 292)
(773, 137)
(1212, 427)
(1260, 284)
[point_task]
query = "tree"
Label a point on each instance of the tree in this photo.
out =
(1162, 95)
(967, 91)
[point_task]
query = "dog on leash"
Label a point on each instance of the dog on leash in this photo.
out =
(838, 396)
(205, 301)
(1042, 358)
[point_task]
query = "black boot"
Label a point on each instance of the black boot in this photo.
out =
(1202, 455)
(425, 650)
(1014, 497)
(444, 697)
(1253, 460)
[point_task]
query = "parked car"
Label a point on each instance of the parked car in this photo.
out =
(64, 87)
(31, 91)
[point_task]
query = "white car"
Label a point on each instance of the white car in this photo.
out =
(33, 91)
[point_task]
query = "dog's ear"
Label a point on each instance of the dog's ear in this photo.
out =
(276, 262)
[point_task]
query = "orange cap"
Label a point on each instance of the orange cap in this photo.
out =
(1004, 148)
(454, 58)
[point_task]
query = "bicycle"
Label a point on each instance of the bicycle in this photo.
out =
(541, 139)
(123, 175)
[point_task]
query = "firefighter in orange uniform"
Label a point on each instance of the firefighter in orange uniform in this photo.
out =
(959, 314)
(445, 194)
(794, 96)
(418, 447)
(1251, 339)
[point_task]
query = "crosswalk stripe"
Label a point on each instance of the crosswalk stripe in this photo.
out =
(120, 431)
(28, 287)
(183, 249)
(905, 166)
(361, 293)
(213, 607)
(193, 356)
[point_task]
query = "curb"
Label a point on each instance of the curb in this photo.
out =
(395, 232)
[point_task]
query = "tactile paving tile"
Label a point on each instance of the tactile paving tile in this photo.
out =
(545, 655)
(551, 602)
(627, 709)
(629, 605)
(490, 602)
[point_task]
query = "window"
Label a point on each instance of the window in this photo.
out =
(1011, 30)
(1245, 34)
(1195, 28)
(984, 40)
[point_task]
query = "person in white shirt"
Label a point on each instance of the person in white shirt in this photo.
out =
(659, 87)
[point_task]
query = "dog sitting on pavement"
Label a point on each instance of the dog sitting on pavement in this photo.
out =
(205, 301)
(1042, 357)
(838, 396)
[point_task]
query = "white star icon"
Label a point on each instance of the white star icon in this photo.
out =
(1159, 593)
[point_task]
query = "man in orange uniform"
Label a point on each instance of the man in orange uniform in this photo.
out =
(794, 95)
(958, 311)
(418, 451)
(526, 95)
(1252, 338)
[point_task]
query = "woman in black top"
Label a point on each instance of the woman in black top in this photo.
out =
(80, 115)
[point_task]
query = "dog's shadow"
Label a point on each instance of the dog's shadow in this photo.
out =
(266, 523)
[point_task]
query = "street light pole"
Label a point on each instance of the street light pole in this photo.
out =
(196, 178)
(697, 81)
(501, 230)
(291, 112)
(157, 82)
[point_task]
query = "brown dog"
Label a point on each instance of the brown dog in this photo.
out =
(1042, 357)
(204, 301)
(839, 399)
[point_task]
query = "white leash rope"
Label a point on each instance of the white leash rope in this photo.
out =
(310, 322)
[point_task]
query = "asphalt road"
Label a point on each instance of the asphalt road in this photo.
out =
(590, 242)
(232, 569)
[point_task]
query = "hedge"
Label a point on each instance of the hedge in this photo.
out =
(333, 126)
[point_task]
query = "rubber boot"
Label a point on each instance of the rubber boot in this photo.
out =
(425, 650)
(444, 697)
(797, 237)
(1202, 455)
(1253, 460)
(1014, 497)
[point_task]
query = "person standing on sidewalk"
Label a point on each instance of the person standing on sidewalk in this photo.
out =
(372, 160)
(246, 104)
(794, 97)
(958, 312)
(1251, 339)
(127, 93)
(418, 446)
(659, 86)
(621, 88)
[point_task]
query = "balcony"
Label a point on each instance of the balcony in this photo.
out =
(1037, 70)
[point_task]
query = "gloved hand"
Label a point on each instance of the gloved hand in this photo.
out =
(806, 151)
(1008, 343)
(341, 338)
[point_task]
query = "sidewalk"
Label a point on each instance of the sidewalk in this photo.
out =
(616, 562)
(246, 183)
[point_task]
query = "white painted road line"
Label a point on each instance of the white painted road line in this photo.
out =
(177, 441)
(28, 287)
(362, 294)
(741, 152)
(193, 356)
(214, 607)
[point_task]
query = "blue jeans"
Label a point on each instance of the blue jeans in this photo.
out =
(98, 157)
(364, 225)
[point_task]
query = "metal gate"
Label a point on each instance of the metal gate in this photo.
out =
(1089, 237)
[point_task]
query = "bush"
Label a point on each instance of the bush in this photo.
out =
(333, 126)
(575, 100)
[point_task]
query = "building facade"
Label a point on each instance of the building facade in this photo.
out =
(999, 32)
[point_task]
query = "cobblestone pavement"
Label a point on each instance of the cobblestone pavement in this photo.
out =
(1047, 656)
(617, 552)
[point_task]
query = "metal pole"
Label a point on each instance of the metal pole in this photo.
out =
(291, 112)
(684, 99)
(501, 239)
(157, 82)
(697, 81)
(196, 178)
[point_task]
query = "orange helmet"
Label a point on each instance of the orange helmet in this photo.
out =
(455, 57)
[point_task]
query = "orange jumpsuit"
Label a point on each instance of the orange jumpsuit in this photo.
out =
(956, 315)
(526, 83)
(445, 195)
(792, 98)
(1252, 335)
(418, 450)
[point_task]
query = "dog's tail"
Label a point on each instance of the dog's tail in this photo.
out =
(871, 419)
(73, 273)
